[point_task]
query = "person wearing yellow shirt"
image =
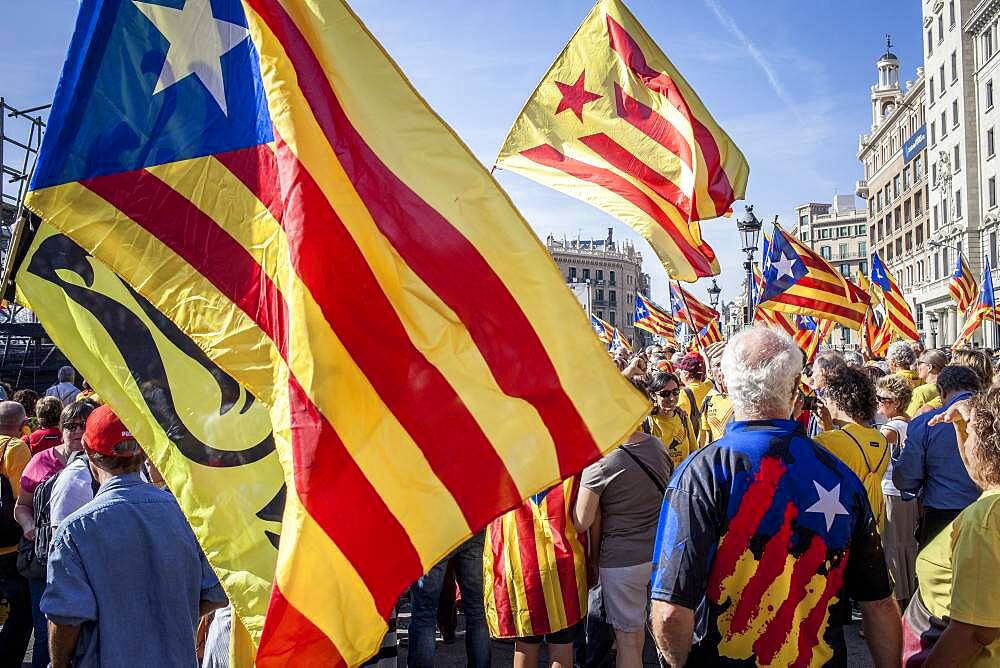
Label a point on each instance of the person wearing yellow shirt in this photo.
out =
(928, 367)
(717, 409)
(691, 370)
(901, 360)
(14, 456)
(846, 412)
(954, 619)
(668, 422)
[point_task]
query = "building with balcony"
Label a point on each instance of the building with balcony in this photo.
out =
(612, 269)
(839, 233)
(896, 191)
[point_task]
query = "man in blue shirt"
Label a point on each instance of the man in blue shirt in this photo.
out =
(930, 464)
(127, 581)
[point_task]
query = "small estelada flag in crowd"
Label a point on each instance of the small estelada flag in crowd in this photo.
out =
(687, 309)
(798, 281)
(619, 342)
(710, 333)
(962, 285)
(535, 567)
(602, 329)
(983, 309)
(614, 124)
(898, 313)
(278, 214)
(655, 319)
(810, 333)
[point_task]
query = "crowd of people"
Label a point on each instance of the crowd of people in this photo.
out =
(96, 557)
(762, 505)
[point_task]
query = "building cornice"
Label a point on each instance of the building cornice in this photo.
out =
(981, 15)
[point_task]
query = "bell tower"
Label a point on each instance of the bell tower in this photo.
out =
(886, 92)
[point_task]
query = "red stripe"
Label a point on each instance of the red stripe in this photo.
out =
(653, 125)
(834, 289)
(291, 639)
(413, 390)
(257, 168)
(359, 511)
(809, 632)
(501, 595)
(624, 161)
(443, 258)
(531, 577)
(548, 156)
(622, 43)
(813, 304)
(569, 589)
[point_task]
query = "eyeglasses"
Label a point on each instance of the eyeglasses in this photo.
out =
(70, 426)
(669, 393)
(885, 399)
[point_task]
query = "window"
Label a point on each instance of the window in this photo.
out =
(878, 199)
(908, 244)
(843, 231)
(586, 274)
(990, 147)
(843, 251)
(863, 267)
(920, 234)
(940, 23)
(988, 44)
(613, 297)
(991, 190)
(944, 124)
(957, 159)
(862, 248)
(935, 216)
(804, 234)
(611, 319)
(600, 296)
(888, 194)
(871, 207)
(906, 211)
(989, 94)
(824, 252)
(898, 217)
(803, 220)
(906, 178)
(937, 267)
(881, 229)
(930, 90)
(918, 200)
(845, 270)
(941, 77)
(600, 274)
(951, 13)
(993, 249)
(954, 113)
(933, 133)
(859, 229)
(611, 274)
(895, 186)
(958, 204)
(930, 41)
(825, 233)
(572, 274)
(954, 67)
(918, 166)
(600, 314)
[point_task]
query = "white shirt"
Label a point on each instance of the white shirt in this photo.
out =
(898, 426)
(72, 489)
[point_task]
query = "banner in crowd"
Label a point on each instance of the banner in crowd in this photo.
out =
(613, 123)
(206, 434)
(329, 242)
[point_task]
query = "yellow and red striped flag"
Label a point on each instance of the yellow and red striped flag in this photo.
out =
(962, 285)
(605, 332)
(687, 309)
(769, 317)
(614, 124)
(280, 192)
(798, 281)
(653, 318)
(708, 335)
(984, 309)
(897, 311)
(535, 567)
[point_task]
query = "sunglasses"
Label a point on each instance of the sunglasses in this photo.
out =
(70, 426)
(885, 399)
(669, 393)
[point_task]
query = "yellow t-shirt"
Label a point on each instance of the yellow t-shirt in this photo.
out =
(677, 434)
(700, 390)
(866, 452)
(957, 571)
(15, 457)
(923, 394)
(910, 376)
(717, 414)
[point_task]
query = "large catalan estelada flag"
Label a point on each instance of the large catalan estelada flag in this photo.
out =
(266, 177)
(613, 123)
(655, 319)
(765, 316)
(208, 436)
(898, 313)
(984, 309)
(799, 281)
(962, 285)
(685, 308)
(534, 567)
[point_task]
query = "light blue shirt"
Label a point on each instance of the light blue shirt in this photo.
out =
(930, 464)
(127, 568)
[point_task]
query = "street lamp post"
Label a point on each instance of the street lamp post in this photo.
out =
(933, 319)
(749, 227)
(713, 294)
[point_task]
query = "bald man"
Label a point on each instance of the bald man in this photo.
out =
(14, 455)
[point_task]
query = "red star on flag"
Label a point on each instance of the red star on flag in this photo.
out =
(575, 96)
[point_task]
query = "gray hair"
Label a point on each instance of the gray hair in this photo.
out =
(66, 374)
(12, 417)
(761, 367)
(901, 354)
(853, 358)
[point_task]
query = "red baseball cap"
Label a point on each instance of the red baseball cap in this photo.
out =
(105, 432)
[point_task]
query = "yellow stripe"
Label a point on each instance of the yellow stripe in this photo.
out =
(463, 192)
(574, 541)
(548, 573)
(489, 583)
(515, 578)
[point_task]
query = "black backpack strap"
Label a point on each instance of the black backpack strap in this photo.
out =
(660, 487)
(695, 414)
(861, 449)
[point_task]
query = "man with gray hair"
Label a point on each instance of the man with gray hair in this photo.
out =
(14, 456)
(64, 389)
(768, 535)
(901, 360)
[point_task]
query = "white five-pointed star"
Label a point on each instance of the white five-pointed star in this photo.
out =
(198, 41)
(784, 266)
(828, 504)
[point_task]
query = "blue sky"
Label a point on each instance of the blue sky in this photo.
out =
(788, 80)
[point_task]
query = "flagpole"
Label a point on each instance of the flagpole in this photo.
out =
(694, 328)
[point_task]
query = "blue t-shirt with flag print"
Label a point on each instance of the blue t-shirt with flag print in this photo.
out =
(767, 535)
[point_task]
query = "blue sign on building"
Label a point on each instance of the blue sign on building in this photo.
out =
(915, 144)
